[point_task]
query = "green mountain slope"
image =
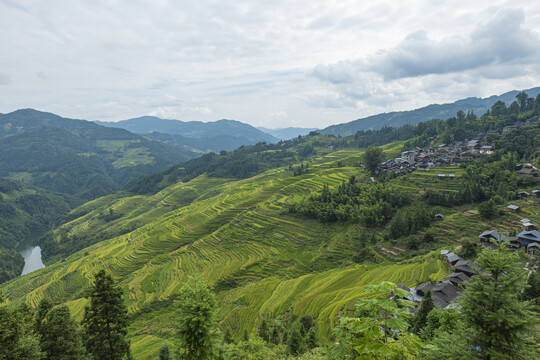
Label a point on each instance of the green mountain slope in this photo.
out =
(25, 214)
(237, 235)
(435, 111)
(77, 157)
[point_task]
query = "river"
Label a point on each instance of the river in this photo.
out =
(32, 259)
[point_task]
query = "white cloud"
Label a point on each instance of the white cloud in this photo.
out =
(251, 60)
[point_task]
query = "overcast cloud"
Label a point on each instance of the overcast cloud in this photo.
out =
(268, 63)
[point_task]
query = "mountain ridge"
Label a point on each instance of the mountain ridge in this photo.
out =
(433, 111)
(192, 129)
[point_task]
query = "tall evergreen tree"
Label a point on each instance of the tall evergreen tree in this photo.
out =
(420, 319)
(17, 338)
(227, 337)
(60, 337)
(274, 337)
(264, 331)
(496, 324)
(295, 344)
(164, 352)
(312, 339)
(105, 321)
(197, 328)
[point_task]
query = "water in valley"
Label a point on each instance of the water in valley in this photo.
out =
(32, 259)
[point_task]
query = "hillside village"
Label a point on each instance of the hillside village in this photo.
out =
(447, 291)
(453, 154)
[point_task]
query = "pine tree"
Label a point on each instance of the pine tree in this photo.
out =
(274, 337)
(197, 328)
(17, 338)
(500, 324)
(227, 337)
(60, 337)
(312, 339)
(496, 324)
(105, 321)
(263, 331)
(295, 345)
(43, 309)
(164, 352)
(306, 323)
(420, 319)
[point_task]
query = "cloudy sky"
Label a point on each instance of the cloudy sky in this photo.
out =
(272, 63)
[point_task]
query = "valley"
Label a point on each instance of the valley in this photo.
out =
(280, 231)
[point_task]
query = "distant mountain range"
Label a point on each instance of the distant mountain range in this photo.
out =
(287, 133)
(443, 111)
(77, 157)
(193, 129)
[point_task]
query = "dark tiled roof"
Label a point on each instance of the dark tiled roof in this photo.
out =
(422, 288)
(457, 278)
(444, 293)
(452, 258)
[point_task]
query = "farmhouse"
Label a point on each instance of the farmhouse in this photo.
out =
(513, 208)
(523, 194)
(529, 236)
(466, 266)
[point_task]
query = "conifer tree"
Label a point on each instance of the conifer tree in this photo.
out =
(420, 319)
(60, 338)
(274, 337)
(496, 324)
(17, 338)
(264, 332)
(312, 339)
(164, 352)
(227, 337)
(43, 309)
(105, 321)
(295, 345)
(197, 328)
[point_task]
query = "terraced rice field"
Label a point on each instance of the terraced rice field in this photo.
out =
(229, 232)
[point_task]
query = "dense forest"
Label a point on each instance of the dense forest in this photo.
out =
(77, 157)
(25, 214)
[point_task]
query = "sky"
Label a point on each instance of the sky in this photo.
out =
(271, 63)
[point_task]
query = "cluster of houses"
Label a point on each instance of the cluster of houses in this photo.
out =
(443, 155)
(528, 238)
(447, 290)
(518, 125)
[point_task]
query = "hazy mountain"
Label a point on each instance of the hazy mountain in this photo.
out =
(77, 157)
(287, 133)
(193, 129)
(435, 111)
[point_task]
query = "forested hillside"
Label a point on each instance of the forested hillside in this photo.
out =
(77, 157)
(474, 105)
(288, 232)
(25, 214)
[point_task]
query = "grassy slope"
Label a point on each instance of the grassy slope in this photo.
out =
(236, 230)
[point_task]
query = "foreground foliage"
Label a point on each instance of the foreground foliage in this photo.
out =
(493, 322)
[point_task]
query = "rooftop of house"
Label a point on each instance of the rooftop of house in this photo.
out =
(533, 235)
